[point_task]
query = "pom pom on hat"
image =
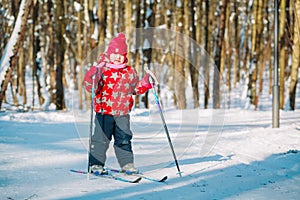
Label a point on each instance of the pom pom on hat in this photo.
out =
(117, 45)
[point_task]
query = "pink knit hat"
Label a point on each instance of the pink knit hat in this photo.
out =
(117, 45)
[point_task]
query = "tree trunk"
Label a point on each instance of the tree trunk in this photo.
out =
(50, 54)
(220, 39)
(207, 47)
(14, 89)
(282, 51)
(21, 76)
(192, 51)
(128, 25)
(36, 65)
(92, 21)
(109, 19)
(149, 37)
(60, 51)
(14, 58)
(179, 60)
(263, 46)
(237, 41)
(117, 17)
(227, 50)
(255, 51)
(253, 59)
(79, 60)
(295, 56)
(136, 55)
(101, 12)
(86, 29)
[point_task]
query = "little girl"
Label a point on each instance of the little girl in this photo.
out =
(115, 83)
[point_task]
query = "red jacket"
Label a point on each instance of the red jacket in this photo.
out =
(115, 88)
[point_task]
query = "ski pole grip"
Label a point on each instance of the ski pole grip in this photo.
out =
(153, 79)
(93, 86)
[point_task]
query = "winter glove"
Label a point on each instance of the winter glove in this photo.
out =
(88, 78)
(102, 58)
(146, 83)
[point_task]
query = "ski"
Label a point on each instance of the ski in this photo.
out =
(109, 176)
(163, 179)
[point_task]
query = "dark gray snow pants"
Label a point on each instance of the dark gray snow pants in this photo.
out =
(107, 126)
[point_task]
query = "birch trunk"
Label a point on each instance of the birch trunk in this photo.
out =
(14, 58)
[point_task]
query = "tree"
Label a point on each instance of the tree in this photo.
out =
(50, 54)
(236, 44)
(282, 50)
(60, 52)
(101, 13)
(109, 19)
(179, 58)
(220, 39)
(255, 52)
(17, 46)
(136, 55)
(295, 56)
(80, 56)
(128, 24)
(36, 62)
(208, 36)
(189, 13)
(148, 38)
(21, 76)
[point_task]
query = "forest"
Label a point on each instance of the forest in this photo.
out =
(47, 46)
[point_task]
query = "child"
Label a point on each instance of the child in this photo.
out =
(115, 83)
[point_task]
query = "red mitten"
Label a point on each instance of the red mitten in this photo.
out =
(102, 58)
(144, 85)
(145, 82)
(88, 78)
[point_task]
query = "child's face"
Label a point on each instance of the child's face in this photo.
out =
(116, 58)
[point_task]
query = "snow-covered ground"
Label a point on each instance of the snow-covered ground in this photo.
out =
(242, 157)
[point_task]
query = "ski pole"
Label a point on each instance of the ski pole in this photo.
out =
(153, 82)
(91, 124)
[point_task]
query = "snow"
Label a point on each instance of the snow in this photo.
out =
(244, 158)
(77, 6)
